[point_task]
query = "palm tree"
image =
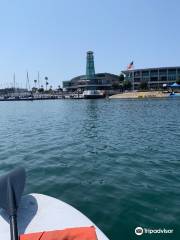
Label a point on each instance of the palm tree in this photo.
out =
(46, 79)
(35, 81)
(59, 88)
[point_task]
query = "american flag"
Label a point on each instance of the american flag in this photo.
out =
(130, 66)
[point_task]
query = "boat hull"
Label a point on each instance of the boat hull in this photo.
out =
(175, 95)
(93, 96)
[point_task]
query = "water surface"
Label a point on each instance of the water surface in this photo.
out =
(117, 161)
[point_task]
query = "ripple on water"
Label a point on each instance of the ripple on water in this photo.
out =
(116, 161)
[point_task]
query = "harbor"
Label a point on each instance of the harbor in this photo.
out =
(93, 94)
(132, 83)
(89, 113)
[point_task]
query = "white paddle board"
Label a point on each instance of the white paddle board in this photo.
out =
(38, 213)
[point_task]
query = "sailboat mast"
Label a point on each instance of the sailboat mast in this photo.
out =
(27, 82)
(38, 80)
(14, 82)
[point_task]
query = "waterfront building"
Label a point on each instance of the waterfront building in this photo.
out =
(101, 81)
(155, 78)
(91, 80)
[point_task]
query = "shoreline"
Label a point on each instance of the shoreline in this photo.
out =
(124, 95)
(140, 95)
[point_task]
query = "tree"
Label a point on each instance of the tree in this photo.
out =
(59, 88)
(121, 78)
(50, 89)
(143, 85)
(115, 85)
(35, 81)
(41, 89)
(178, 80)
(34, 89)
(46, 79)
(127, 85)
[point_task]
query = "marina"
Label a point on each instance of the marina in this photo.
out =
(89, 120)
(130, 84)
(31, 98)
(93, 94)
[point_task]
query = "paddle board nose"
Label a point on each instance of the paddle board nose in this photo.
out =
(38, 213)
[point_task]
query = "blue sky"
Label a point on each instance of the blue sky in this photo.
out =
(52, 37)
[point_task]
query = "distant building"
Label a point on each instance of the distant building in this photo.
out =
(92, 80)
(154, 77)
(101, 81)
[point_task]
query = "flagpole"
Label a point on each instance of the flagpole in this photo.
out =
(133, 80)
(131, 67)
(133, 76)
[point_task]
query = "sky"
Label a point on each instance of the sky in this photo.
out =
(53, 36)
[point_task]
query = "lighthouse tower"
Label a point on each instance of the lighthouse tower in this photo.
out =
(90, 70)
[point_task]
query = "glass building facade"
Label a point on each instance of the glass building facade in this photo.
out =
(101, 81)
(90, 70)
(154, 77)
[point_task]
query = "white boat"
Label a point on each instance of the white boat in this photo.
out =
(93, 94)
(36, 213)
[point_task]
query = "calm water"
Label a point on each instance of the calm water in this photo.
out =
(117, 161)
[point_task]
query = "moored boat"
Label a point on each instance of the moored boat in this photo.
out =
(174, 94)
(93, 94)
